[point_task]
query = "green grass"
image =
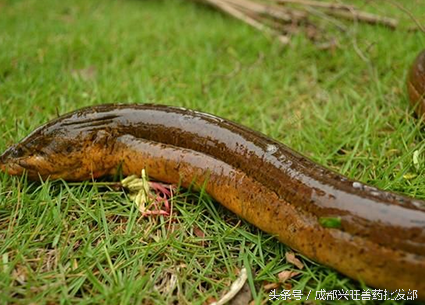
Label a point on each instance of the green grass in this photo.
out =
(71, 244)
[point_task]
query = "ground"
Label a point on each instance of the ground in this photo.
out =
(345, 108)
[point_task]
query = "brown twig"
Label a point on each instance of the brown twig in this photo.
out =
(360, 16)
(224, 6)
(276, 18)
(346, 12)
(319, 4)
(339, 25)
(263, 9)
(236, 13)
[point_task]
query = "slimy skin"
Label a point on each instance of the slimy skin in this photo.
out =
(416, 84)
(381, 236)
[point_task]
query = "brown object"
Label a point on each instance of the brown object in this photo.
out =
(379, 237)
(416, 84)
(346, 12)
(283, 18)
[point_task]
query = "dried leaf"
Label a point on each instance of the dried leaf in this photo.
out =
(286, 275)
(210, 300)
(198, 232)
(290, 257)
(270, 286)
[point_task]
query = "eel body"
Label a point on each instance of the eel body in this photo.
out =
(380, 236)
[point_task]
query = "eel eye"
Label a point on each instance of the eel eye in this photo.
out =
(17, 152)
(69, 149)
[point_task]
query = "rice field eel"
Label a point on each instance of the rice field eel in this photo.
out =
(374, 236)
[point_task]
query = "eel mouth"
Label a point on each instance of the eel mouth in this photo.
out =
(12, 168)
(10, 164)
(15, 166)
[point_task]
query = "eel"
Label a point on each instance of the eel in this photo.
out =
(379, 237)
